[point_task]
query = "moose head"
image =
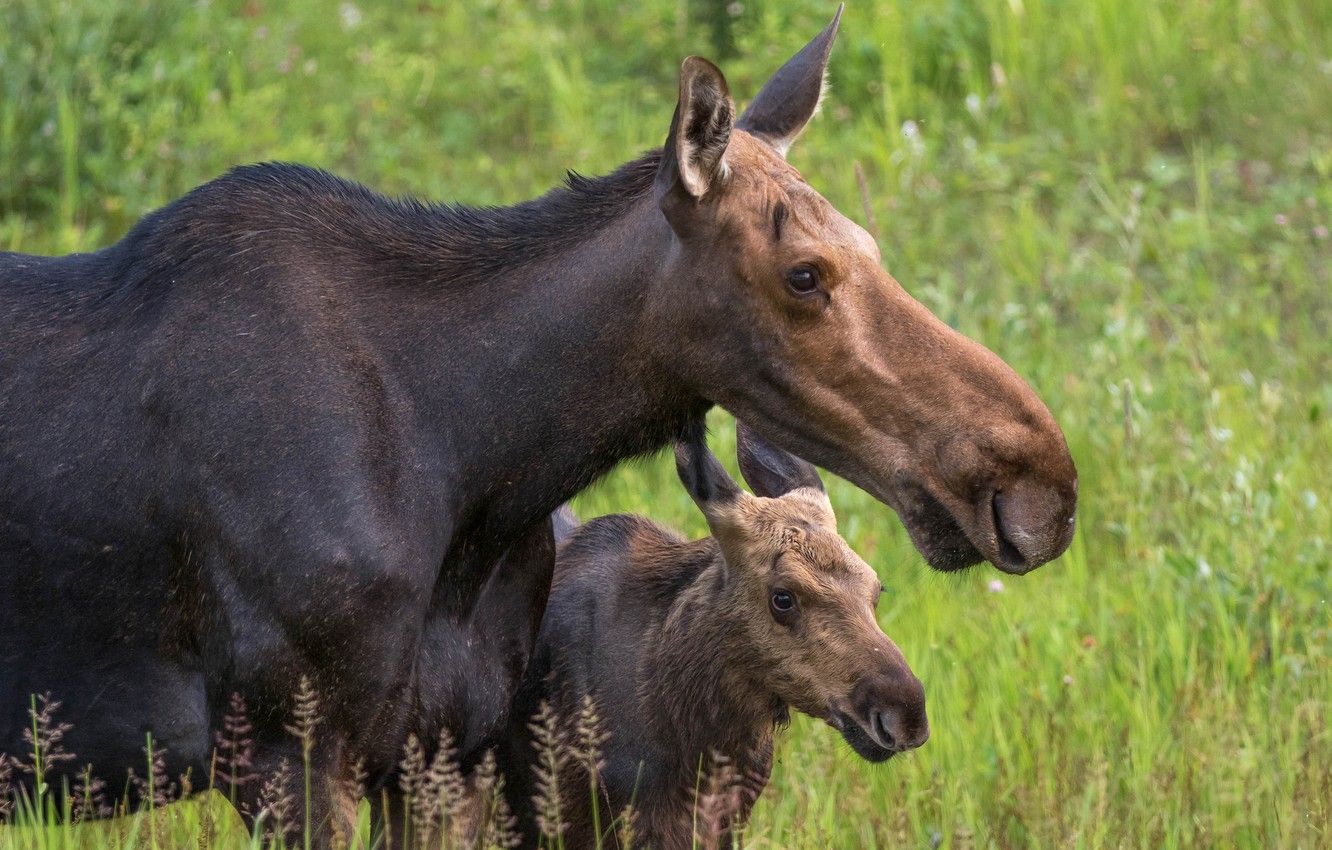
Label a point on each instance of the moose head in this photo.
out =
(794, 326)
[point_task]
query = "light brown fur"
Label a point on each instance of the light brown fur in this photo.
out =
(861, 377)
(683, 649)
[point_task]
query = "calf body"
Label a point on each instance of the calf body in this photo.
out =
(688, 664)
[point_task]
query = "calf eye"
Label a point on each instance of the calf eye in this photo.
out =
(803, 280)
(783, 604)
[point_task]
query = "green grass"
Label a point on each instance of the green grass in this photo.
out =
(1129, 201)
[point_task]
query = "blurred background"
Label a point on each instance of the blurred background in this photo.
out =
(1129, 201)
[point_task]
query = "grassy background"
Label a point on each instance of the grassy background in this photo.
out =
(1129, 201)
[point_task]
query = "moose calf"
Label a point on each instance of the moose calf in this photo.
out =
(693, 652)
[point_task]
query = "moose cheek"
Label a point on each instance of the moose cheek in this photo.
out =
(961, 465)
(805, 307)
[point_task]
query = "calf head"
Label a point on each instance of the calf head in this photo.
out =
(801, 602)
(790, 322)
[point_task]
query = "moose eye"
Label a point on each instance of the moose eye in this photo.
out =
(803, 280)
(783, 605)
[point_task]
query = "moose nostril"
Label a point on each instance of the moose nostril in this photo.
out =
(883, 726)
(1033, 524)
(901, 730)
(1010, 556)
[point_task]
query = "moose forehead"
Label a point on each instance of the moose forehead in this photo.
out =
(772, 196)
(801, 523)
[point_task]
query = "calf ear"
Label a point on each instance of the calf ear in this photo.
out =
(703, 476)
(791, 97)
(693, 159)
(770, 471)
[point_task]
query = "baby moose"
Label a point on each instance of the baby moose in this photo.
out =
(693, 652)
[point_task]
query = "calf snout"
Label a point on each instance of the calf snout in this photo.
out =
(892, 708)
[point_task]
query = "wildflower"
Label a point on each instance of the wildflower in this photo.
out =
(45, 737)
(234, 748)
(276, 803)
(995, 586)
(351, 16)
(498, 825)
(552, 755)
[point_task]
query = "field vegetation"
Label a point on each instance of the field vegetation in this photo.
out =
(1128, 201)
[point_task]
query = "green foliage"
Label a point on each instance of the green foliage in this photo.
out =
(1129, 201)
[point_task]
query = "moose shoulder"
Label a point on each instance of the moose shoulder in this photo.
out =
(690, 651)
(289, 427)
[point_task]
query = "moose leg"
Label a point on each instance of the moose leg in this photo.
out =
(505, 623)
(286, 788)
(469, 670)
(395, 826)
(471, 663)
(390, 820)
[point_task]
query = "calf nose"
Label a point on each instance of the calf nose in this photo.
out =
(1033, 524)
(896, 712)
(900, 728)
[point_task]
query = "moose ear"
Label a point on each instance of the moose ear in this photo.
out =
(791, 97)
(703, 476)
(770, 471)
(693, 159)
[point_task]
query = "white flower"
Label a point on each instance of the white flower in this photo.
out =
(1204, 569)
(995, 586)
(351, 16)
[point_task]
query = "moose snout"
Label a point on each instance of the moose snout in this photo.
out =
(1033, 524)
(892, 708)
(1013, 493)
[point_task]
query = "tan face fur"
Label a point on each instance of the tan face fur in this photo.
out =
(796, 328)
(805, 602)
(791, 544)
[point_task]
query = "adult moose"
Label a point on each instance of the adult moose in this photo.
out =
(287, 427)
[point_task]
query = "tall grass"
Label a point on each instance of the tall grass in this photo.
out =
(1129, 201)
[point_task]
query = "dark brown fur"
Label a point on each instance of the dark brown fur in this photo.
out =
(289, 427)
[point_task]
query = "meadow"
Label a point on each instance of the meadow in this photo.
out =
(1129, 201)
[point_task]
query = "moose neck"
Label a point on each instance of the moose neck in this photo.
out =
(542, 376)
(702, 666)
